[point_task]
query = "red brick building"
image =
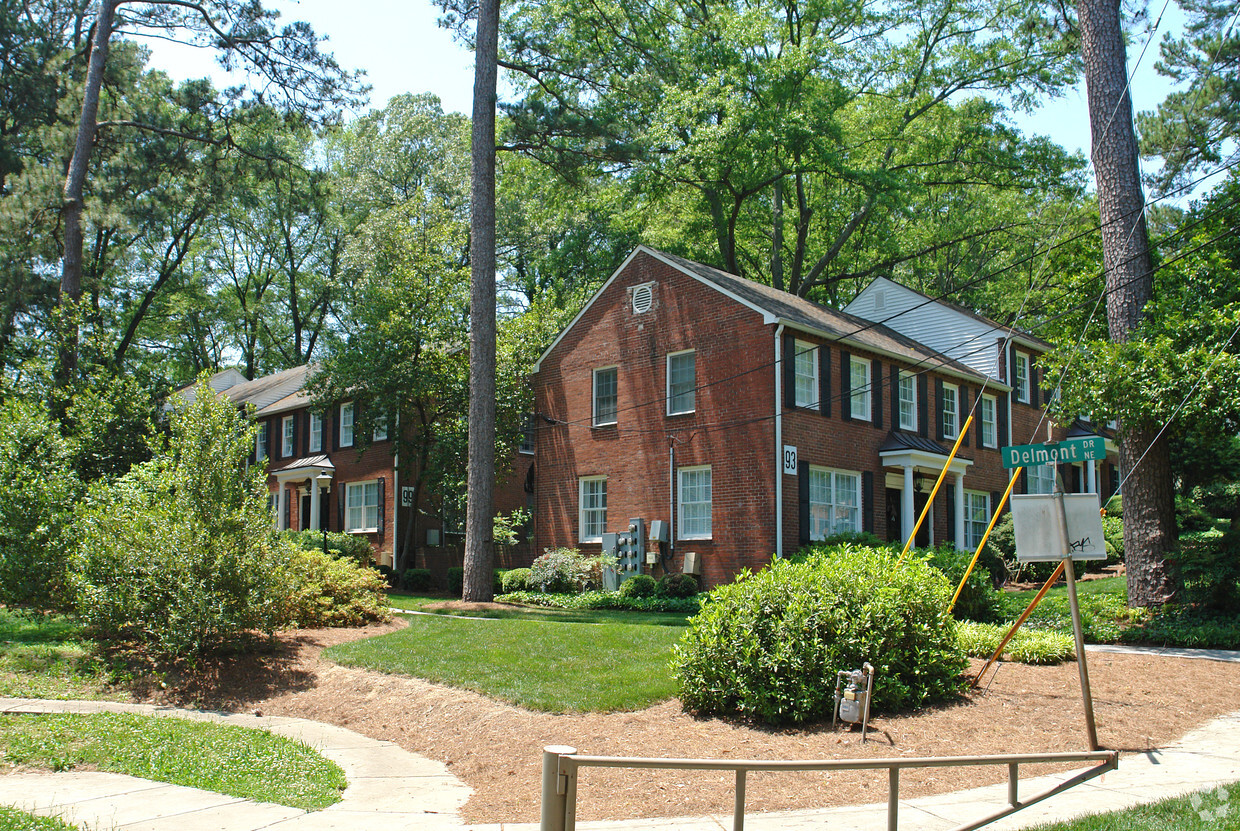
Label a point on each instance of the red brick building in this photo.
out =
(322, 474)
(751, 421)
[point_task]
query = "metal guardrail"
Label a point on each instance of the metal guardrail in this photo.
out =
(560, 766)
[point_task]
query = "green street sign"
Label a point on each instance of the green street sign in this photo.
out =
(1084, 449)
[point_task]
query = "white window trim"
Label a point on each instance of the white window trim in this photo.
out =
(692, 391)
(861, 396)
(993, 422)
(799, 347)
(1022, 384)
(316, 433)
(912, 384)
(348, 405)
(527, 432)
(288, 436)
(594, 416)
(681, 533)
(831, 506)
(261, 441)
(970, 539)
(581, 508)
(1042, 472)
(348, 487)
(955, 431)
(380, 433)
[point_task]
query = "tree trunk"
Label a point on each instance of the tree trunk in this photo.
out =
(1149, 504)
(75, 186)
(479, 519)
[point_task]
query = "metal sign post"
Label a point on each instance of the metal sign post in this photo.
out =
(1087, 698)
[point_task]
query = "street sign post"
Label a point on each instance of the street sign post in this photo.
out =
(1083, 449)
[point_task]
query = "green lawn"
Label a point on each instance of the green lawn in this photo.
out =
(1213, 810)
(544, 659)
(12, 819)
(46, 657)
(250, 764)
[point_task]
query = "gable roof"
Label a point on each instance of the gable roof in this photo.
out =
(795, 313)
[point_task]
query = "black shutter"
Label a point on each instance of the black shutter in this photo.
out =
(938, 408)
(790, 375)
(1001, 417)
(341, 498)
(1012, 373)
(876, 393)
(923, 406)
(867, 501)
(288, 505)
(963, 414)
(382, 504)
(951, 512)
(824, 380)
(845, 385)
(895, 397)
(1024, 480)
(995, 496)
(332, 422)
(803, 500)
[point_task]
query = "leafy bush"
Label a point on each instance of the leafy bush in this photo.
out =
(639, 585)
(769, 645)
(1209, 566)
(1175, 625)
(516, 580)
(389, 575)
(563, 570)
(322, 590)
(179, 554)
(1191, 517)
(456, 581)
(677, 585)
(350, 546)
(1103, 614)
(604, 600)
(415, 579)
(1113, 533)
(978, 599)
(36, 505)
(1028, 646)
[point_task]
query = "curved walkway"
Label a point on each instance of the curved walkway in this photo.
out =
(390, 788)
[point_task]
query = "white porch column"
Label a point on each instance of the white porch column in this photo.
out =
(1091, 477)
(906, 505)
(314, 504)
(960, 541)
(283, 504)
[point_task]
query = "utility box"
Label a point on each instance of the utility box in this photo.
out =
(693, 564)
(658, 530)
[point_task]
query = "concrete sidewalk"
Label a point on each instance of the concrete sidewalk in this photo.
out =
(390, 788)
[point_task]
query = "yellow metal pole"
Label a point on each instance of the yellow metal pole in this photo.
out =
(1037, 598)
(986, 536)
(964, 431)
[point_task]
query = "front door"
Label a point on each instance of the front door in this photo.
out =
(303, 513)
(923, 533)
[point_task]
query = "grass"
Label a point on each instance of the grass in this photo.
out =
(234, 761)
(1104, 609)
(47, 657)
(550, 660)
(12, 819)
(1211, 810)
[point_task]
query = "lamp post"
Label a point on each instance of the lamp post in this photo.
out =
(324, 482)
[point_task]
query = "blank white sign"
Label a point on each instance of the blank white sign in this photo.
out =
(1039, 526)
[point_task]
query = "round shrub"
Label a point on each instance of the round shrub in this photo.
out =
(677, 585)
(517, 580)
(639, 585)
(323, 590)
(560, 571)
(415, 580)
(769, 645)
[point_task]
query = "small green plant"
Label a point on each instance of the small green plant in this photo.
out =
(516, 580)
(605, 600)
(11, 819)
(978, 598)
(639, 585)
(415, 579)
(507, 527)
(769, 645)
(1028, 646)
(677, 585)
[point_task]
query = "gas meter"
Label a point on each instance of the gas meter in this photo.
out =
(853, 703)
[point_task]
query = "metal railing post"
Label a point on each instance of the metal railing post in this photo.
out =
(1013, 782)
(554, 795)
(893, 798)
(738, 808)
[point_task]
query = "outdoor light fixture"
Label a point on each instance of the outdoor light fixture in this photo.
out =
(324, 481)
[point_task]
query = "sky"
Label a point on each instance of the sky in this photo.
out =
(402, 49)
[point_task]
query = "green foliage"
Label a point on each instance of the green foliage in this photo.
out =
(415, 579)
(1113, 532)
(769, 645)
(1184, 626)
(1028, 646)
(353, 547)
(516, 580)
(978, 600)
(179, 555)
(1191, 517)
(456, 580)
(639, 585)
(36, 505)
(1104, 613)
(677, 585)
(11, 819)
(1209, 565)
(603, 600)
(323, 590)
(563, 570)
(46, 656)
(507, 527)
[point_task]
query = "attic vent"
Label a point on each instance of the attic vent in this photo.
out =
(643, 298)
(880, 301)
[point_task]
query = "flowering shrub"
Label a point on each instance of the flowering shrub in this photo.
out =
(564, 570)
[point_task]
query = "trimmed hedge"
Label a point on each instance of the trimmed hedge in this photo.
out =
(603, 600)
(639, 585)
(516, 580)
(770, 644)
(415, 580)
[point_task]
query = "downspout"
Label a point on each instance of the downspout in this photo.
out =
(671, 499)
(779, 443)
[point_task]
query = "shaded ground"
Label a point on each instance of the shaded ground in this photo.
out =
(1141, 703)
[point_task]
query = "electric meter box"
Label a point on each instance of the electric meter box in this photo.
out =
(1041, 535)
(658, 530)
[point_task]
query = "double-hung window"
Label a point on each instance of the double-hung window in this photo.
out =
(1022, 377)
(605, 390)
(346, 424)
(316, 433)
(951, 410)
(805, 374)
(592, 492)
(859, 398)
(287, 427)
(976, 517)
(990, 430)
(834, 502)
(260, 442)
(908, 401)
(694, 508)
(381, 428)
(362, 507)
(527, 435)
(681, 382)
(1041, 479)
